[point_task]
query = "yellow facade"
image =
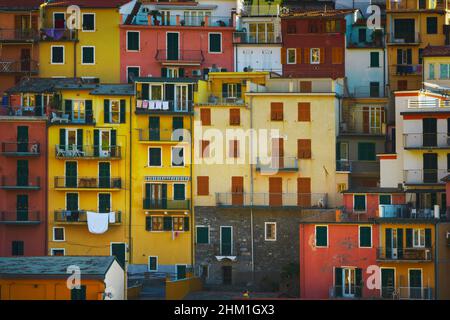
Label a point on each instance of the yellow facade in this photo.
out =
(431, 70)
(105, 39)
(100, 182)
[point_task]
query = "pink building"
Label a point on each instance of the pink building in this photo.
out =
(176, 39)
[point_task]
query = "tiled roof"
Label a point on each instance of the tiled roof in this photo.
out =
(54, 266)
(436, 51)
(41, 85)
(10, 5)
(113, 90)
(373, 190)
(167, 80)
(317, 13)
(89, 3)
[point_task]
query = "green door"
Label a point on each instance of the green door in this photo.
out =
(177, 123)
(72, 206)
(415, 284)
(22, 139)
(22, 207)
(181, 272)
(104, 202)
(225, 241)
(71, 174)
(387, 283)
(118, 250)
(22, 172)
(104, 176)
(172, 46)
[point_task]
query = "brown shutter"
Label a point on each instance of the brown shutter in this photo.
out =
(366, 119)
(275, 191)
(306, 52)
(304, 111)
(322, 55)
(235, 117)
(205, 117)
(283, 55)
(304, 192)
(304, 148)
(234, 149)
(305, 86)
(34, 22)
(276, 111)
(237, 189)
(17, 22)
(204, 148)
(299, 55)
(203, 186)
(336, 55)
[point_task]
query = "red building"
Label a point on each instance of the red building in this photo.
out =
(314, 43)
(334, 258)
(176, 39)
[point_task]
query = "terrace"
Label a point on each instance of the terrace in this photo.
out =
(89, 183)
(169, 204)
(80, 216)
(283, 200)
(87, 152)
(20, 149)
(20, 217)
(18, 35)
(20, 182)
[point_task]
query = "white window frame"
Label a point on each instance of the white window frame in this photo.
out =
(82, 21)
(176, 269)
(157, 216)
(160, 157)
(365, 202)
(359, 236)
(409, 280)
(315, 236)
(172, 72)
(418, 238)
(171, 157)
(209, 232)
(138, 67)
(150, 87)
(265, 231)
(221, 42)
(87, 63)
(139, 41)
(53, 249)
(148, 264)
(311, 56)
(110, 111)
(64, 234)
(287, 56)
(63, 55)
(185, 190)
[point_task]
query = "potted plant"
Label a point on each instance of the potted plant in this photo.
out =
(155, 14)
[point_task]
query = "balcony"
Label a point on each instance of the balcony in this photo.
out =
(414, 5)
(375, 38)
(403, 211)
(20, 149)
(54, 34)
(171, 20)
(405, 254)
(424, 176)
(19, 217)
(18, 35)
(284, 85)
(20, 183)
(163, 106)
(426, 141)
(347, 292)
(80, 216)
(222, 99)
(256, 38)
(412, 38)
(406, 69)
(19, 66)
(181, 57)
(166, 204)
(343, 166)
(363, 121)
(229, 251)
(294, 200)
(88, 183)
(79, 118)
(87, 152)
(164, 135)
(260, 10)
(358, 167)
(428, 104)
(23, 111)
(275, 164)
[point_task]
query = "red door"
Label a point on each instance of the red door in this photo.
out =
(275, 192)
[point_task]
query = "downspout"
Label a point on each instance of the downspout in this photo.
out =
(192, 196)
(46, 183)
(436, 265)
(130, 256)
(251, 188)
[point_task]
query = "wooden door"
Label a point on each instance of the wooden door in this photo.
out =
(304, 192)
(275, 192)
(237, 189)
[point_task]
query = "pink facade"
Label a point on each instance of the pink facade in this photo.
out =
(319, 265)
(372, 202)
(193, 48)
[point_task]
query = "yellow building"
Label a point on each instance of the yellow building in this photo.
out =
(91, 49)
(161, 177)
(89, 170)
(412, 25)
(436, 67)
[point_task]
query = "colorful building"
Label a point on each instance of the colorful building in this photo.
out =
(89, 170)
(161, 223)
(176, 39)
(19, 37)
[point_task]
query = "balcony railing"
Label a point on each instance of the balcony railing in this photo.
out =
(275, 164)
(87, 152)
(182, 21)
(358, 167)
(397, 39)
(256, 38)
(374, 40)
(18, 66)
(163, 135)
(163, 106)
(343, 166)
(347, 292)
(360, 120)
(74, 216)
(20, 183)
(424, 176)
(20, 217)
(20, 149)
(62, 117)
(54, 34)
(19, 35)
(22, 111)
(296, 200)
(302, 86)
(405, 254)
(218, 98)
(367, 92)
(428, 103)
(426, 140)
(88, 182)
(169, 204)
(180, 56)
(260, 10)
(406, 69)
(403, 211)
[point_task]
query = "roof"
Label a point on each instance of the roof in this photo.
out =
(20, 5)
(42, 85)
(373, 190)
(113, 90)
(317, 13)
(88, 3)
(446, 178)
(436, 51)
(93, 267)
(165, 80)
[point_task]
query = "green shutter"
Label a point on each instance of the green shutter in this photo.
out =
(104, 175)
(104, 202)
(181, 72)
(122, 111)
(179, 192)
(167, 223)
(68, 108)
(385, 199)
(366, 151)
(72, 201)
(409, 238)
(374, 59)
(321, 236)
(71, 174)
(202, 235)
(62, 139)
(113, 139)
(388, 242)
(80, 139)
(38, 110)
(145, 91)
(338, 282)
(78, 294)
(155, 156)
(96, 142)
(239, 90)
(359, 202)
(365, 237)
(106, 111)
(399, 242)
(224, 90)
(148, 223)
(163, 72)
(89, 112)
(186, 223)
(428, 238)
(358, 282)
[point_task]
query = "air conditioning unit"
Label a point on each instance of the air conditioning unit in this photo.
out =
(394, 253)
(197, 73)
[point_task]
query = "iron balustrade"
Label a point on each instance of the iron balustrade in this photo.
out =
(297, 200)
(20, 216)
(405, 254)
(166, 135)
(88, 182)
(20, 182)
(163, 203)
(87, 151)
(180, 55)
(274, 164)
(20, 148)
(71, 216)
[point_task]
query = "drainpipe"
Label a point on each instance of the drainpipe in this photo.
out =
(130, 259)
(251, 188)
(74, 59)
(436, 264)
(192, 195)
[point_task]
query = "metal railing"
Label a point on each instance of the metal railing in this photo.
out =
(168, 135)
(87, 151)
(403, 211)
(427, 103)
(367, 92)
(219, 98)
(181, 20)
(161, 106)
(88, 182)
(423, 176)
(406, 69)
(273, 164)
(405, 254)
(343, 165)
(19, 216)
(156, 204)
(71, 216)
(260, 10)
(426, 140)
(55, 34)
(350, 292)
(180, 56)
(19, 35)
(20, 182)
(19, 66)
(256, 37)
(411, 38)
(375, 39)
(23, 111)
(360, 166)
(63, 117)
(20, 148)
(298, 200)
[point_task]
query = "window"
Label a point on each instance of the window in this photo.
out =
(156, 92)
(59, 20)
(359, 202)
(332, 26)
(58, 234)
(57, 252)
(173, 72)
(366, 151)
(157, 223)
(341, 187)
(154, 157)
(133, 40)
(215, 43)
(233, 90)
(304, 111)
(204, 148)
(261, 32)
(404, 56)
(87, 55)
(177, 156)
(321, 236)
(205, 117)
(202, 235)
(315, 55)
(179, 191)
(444, 71)
(88, 22)
(78, 294)
(419, 238)
(152, 263)
(374, 59)
(114, 111)
(203, 185)
(385, 199)
(57, 55)
(362, 35)
(133, 73)
(431, 71)
(276, 111)
(270, 231)
(432, 25)
(178, 223)
(374, 89)
(17, 248)
(291, 28)
(291, 56)
(365, 236)
(235, 117)
(234, 149)
(304, 148)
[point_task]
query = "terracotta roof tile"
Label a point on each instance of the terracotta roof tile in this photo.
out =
(436, 51)
(89, 3)
(9, 5)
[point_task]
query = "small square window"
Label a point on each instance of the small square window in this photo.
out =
(315, 55)
(152, 263)
(57, 55)
(291, 56)
(58, 234)
(17, 248)
(321, 236)
(157, 223)
(374, 59)
(88, 22)
(178, 223)
(270, 233)
(154, 157)
(87, 55)
(385, 199)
